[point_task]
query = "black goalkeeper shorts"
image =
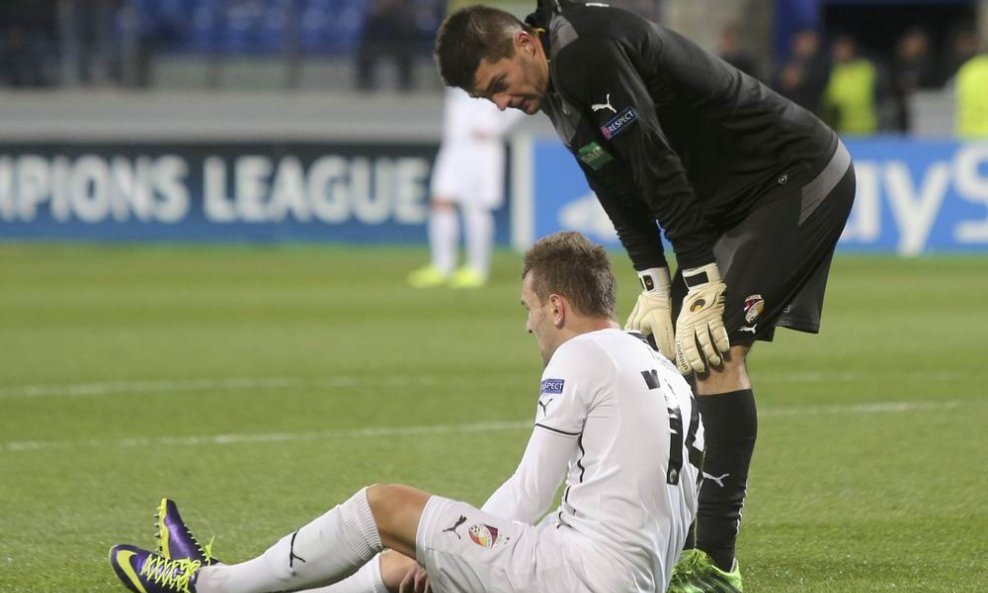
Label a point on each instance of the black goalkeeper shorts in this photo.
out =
(776, 261)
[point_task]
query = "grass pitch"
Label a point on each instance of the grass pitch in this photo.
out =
(260, 386)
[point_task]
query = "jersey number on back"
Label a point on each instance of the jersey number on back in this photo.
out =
(675, 428)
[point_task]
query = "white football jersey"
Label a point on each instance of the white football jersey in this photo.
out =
(619, 420)
(470, 163)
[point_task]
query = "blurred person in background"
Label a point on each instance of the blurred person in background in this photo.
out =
(912, 69)
(962, 47)
(389, 32)
(971, 88)
(804, 75)
(28, 43)
(731, 49)
(96, 40)
(751, 190)
(852, 97)
(468, 184)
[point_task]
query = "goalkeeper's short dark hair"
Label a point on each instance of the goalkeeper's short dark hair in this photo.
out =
(470, 35)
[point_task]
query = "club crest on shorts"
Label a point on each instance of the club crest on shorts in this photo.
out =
(484, 536)
(753, 307)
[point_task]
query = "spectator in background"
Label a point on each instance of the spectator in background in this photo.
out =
(731, 50)
(389, 32)
(912, 68)
(963, 46)
(850, 102)
(93, 30)
(803, 77)
(27, 43)
(468, 176)
(972, 97)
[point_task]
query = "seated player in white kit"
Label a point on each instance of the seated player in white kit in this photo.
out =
(468, 184)
(613, 417)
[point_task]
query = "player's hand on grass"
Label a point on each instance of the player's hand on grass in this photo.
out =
(416, 580)
(652, 315)
(701, 339)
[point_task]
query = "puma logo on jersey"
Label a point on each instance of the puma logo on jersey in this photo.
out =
(718, 479)
(747, 329)
(599, 106)
(545, 406)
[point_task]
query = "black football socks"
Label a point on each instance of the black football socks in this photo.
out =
(730, 425)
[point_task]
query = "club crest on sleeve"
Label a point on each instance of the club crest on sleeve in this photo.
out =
(619, 123)
(552, 386)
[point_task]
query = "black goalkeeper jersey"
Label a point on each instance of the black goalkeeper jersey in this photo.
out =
(667, 132)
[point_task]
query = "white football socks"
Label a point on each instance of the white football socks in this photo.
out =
(479, 231)
(327, 550)
(444, 235)
(366, 580)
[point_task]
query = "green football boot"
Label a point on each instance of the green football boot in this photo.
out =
(467, 278)
(696, 573)
(427, 277)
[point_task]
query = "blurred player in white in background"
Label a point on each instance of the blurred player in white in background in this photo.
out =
(468, 175)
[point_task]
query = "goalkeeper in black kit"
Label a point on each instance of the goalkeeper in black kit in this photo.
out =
(751, 190)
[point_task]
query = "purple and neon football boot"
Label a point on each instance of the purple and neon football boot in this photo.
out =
(175, 539)
(146, 572)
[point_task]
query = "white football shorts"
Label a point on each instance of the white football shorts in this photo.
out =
(465, 550)
(470, 173)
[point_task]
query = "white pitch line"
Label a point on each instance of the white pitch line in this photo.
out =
(232, 384)
(135, 387)
(872, 408)
(852, 376)
(427, 429)
(343, 381)
(272, 437)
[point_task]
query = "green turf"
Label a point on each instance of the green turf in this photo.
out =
(259, 386)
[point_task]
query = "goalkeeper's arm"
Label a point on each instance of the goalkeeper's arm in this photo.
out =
(652, 314)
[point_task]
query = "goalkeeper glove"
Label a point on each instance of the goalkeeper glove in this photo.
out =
(652, 314)
(701, 321)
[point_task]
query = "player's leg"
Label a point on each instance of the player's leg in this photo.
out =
(383, 574)
(779, 280)
(478, 223)
(727, 405)
(324, 551)
(775, 265)
(726, 402)
(482, 193)
(329, 548)
(444, 236)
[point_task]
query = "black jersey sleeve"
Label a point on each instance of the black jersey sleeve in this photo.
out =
(597, 76)
(635, 225)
